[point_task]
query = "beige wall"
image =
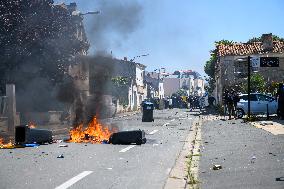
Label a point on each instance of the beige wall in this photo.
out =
(227, 72)
(171, 85)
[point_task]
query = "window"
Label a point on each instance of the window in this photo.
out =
(245, 97)
(262, 97)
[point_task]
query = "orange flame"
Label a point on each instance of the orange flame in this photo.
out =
(8, 145)
(94, 133)
(32, 125)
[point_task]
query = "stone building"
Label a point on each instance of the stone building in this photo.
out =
(231, 66)
(113, 85)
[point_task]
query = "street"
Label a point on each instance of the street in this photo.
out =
(250, 157)
(109, 166)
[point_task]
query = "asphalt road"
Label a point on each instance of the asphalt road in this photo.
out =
(251, 158)
(101, 165)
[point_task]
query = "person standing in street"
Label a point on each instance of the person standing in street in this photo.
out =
(280, 95)
(225, 103)
(230, 104)
(236, 99)
(170, 103)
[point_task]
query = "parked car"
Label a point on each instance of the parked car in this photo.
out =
(258, 104)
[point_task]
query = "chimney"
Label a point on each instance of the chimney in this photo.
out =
(267, 42)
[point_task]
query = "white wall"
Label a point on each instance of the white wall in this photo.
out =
(199, 83)
(139, 76)
(161, 90)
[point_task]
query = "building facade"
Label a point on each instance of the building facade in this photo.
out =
(232, 62)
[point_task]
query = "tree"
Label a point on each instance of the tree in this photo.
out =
(257, 84)
(258, 39)
(37, 39)
(209, 67)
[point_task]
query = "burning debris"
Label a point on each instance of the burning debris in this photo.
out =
(94, 133)
(8, 145)
(32, 125)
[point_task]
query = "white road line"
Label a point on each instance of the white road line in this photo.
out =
(173, 119)
(154, 131)
(166, 124)
(73, 180)
(127, 148)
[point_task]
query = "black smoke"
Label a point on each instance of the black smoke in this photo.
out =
(116, 22)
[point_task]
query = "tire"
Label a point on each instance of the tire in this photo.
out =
(240, 113)
(278, 114)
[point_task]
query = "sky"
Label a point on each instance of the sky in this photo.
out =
(177, 34)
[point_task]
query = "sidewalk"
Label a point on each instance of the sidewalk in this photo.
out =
(250, 157)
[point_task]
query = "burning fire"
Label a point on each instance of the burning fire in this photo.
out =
(31, 125)
(7, 145)
(94, 133)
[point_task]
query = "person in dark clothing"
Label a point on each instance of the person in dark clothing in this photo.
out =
(225, 98)
(280, 95)
(236, 99)
(211, 101)
(230, 104)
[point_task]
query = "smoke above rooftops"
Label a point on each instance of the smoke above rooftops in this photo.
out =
(116, 22)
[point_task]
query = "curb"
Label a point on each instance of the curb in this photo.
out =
(185, 171)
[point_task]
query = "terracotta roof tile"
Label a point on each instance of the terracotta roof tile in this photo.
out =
(248, 48)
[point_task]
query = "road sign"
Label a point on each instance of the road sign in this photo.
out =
(269, 61)
(255, 62)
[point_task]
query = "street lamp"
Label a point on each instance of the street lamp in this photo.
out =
(131, 60)
(249, 74)
(90, 12)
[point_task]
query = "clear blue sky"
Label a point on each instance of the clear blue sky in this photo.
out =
(178, 34)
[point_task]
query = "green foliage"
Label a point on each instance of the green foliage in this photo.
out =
(120, 89)
(258, 39)
(120, 81)
(257, 84)
(224, 42)
(272, 87)
(39, 38)
(209, 67)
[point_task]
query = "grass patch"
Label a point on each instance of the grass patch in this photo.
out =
(252, 118)
(191, 180)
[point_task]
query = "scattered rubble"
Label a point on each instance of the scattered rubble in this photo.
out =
(63, 145)
(217, 167)
(60, 156)
(253, 158)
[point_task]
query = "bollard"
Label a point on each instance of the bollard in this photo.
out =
(267, 112)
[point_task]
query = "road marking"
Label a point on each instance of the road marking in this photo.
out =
(127, 148)
(154, 131)
(73, 180)
(166, 124)
(173, 119)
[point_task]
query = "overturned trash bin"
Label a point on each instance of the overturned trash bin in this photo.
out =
(26, 135)
(148, 108)
(128, 137)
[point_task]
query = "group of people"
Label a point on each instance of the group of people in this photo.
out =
(230, 99)
(190, 102)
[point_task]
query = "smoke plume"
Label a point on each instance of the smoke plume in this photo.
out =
(117, 20)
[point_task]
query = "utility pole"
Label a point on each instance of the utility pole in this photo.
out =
(249, 86)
